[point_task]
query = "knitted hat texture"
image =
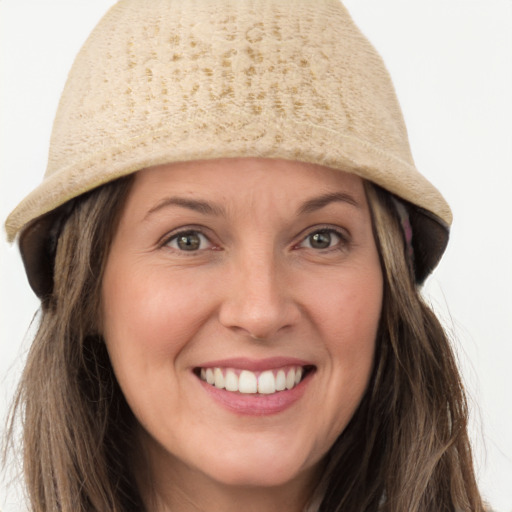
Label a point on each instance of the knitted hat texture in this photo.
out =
(161, 81)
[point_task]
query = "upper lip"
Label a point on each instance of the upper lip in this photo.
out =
(256, 365)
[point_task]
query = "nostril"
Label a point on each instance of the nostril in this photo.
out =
(259, 304)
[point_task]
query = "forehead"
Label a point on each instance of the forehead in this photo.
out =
(249, 177)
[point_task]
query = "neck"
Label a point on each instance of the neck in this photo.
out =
(181, 499)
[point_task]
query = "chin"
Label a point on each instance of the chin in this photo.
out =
(259, 469)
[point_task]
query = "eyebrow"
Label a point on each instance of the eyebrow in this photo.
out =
(316, 203)
(206, 208)
(203, 207)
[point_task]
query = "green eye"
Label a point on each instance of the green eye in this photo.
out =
(188, 241)
(322, 239)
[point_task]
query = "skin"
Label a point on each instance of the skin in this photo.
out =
(256, 287)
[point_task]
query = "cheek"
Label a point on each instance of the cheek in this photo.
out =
(358, 311)
(146, 324)
(148, 311)
(348, 308)
(148, 321)
(348, 321)
(351, 343)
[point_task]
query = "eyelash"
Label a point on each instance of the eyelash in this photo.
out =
(341, 244)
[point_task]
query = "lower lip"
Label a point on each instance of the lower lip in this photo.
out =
(256, 404)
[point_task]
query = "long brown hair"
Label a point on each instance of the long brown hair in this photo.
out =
(77, 426)
(405, 450)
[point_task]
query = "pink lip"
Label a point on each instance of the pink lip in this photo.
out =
(257, 404)
(256, 365)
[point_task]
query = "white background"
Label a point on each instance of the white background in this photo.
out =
(451, 61)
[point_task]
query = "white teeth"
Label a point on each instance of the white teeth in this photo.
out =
(290, 379)
(231, 381)
(247, 382)
(280, 381)
(219, 378)
(266, 383)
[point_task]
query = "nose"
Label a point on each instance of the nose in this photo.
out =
(258, 299)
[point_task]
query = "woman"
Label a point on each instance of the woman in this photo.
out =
(228, 246)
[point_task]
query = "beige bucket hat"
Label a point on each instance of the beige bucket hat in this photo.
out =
(161, 81)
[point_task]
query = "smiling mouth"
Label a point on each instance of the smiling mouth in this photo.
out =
(266, 382)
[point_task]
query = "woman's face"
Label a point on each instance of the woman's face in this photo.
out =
(240, 306)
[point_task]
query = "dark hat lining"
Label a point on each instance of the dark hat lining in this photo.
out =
(431, 243)
(38, 245)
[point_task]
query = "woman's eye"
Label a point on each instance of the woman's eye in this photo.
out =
(322, 239)
(188, 241)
